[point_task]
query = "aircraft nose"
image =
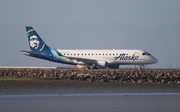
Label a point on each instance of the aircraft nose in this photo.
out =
(154, 60)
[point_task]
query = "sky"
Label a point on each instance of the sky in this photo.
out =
(151, 25)
(137, 12)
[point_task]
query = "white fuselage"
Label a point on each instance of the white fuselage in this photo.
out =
(121, 57)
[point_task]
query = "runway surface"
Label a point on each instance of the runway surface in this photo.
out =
(118, 102)
(83, 96)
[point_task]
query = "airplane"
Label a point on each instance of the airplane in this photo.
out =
(91, 59)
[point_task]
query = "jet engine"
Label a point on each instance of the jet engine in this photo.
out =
(101, 64)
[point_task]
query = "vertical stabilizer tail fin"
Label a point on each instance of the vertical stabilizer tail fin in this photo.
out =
(36, 44)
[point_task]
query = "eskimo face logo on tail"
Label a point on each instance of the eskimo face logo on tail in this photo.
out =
(34, 42)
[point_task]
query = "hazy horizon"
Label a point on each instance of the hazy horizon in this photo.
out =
(152, 26)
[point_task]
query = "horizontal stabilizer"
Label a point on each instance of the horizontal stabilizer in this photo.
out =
(33, 54)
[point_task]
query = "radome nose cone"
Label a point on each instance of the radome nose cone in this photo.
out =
(155, 60)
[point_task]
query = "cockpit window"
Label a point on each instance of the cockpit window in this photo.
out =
(146, 53)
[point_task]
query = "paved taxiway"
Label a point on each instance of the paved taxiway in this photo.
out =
(119, 102)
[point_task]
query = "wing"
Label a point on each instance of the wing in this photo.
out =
(77, 60)
(84, 60)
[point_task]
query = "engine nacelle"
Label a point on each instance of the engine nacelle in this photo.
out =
(101, 64)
